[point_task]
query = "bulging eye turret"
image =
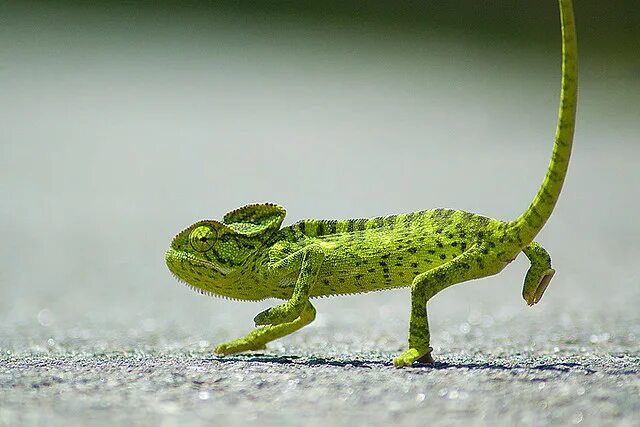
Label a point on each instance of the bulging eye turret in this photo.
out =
(202, 238)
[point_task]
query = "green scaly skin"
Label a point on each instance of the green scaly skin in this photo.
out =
(248, 256)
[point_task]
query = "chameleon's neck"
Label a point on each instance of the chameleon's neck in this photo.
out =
(527, 225)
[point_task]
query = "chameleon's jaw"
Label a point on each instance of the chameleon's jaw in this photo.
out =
(193, 271)
(206, 277)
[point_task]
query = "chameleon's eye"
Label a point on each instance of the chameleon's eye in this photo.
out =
(202, 238)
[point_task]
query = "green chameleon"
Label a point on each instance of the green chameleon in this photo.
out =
(248, 256)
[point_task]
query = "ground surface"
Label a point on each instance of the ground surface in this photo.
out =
(117, 133)
(331, 378)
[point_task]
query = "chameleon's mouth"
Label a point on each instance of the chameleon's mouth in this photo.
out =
(174, 259)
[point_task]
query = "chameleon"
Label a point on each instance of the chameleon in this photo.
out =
(249, 255)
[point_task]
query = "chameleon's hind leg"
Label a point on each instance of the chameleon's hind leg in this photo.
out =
(419, 336)
(259, 337)
(470, 265)
(539, 274)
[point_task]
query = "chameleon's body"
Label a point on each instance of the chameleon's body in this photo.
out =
(247, 255)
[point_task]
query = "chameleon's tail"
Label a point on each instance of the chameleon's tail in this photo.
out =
(533, 219)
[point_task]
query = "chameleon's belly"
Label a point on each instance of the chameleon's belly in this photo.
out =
(380, 260)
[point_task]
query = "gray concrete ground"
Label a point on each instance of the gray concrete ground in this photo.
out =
(115, 137)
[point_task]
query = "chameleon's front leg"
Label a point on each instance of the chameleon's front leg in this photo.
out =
(285, 318)
(539, 274)
(310, 260)
(258, 338)
(470, 265)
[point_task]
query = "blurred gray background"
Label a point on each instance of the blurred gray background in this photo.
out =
(121, 125)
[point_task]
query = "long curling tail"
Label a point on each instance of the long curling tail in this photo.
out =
(529, 224)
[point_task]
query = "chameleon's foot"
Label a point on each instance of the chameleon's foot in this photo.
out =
(237, 346)
(277, 315)
(541, 286)
(426, 359)
(413, 355)
(539, 274)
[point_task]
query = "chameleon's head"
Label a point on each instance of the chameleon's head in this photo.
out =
(211, 255)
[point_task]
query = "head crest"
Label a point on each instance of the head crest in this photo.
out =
(256, 219)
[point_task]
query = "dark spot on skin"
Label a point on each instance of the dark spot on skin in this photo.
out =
(365, 261)
(325, 281)
(439, 244)
(485, 251)
(443, 256)
(465, 266)
(386, 276)
(450, 235)
(492, 245)
(359, 276)
(382, 264)
(341, 280)
(428, 261)
(398, 264)
(459, 225)
(412, 250)
(371, 270)
(463, 246)
(385, 256)
(400, 258)
(439, 231)
(415, 273)
(385, 270)
(480, 234)
(390, 221)
(454, 244)
(431, 252)
(414, 264)
(357, 263)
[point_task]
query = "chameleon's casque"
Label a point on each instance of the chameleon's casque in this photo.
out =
(248, 256)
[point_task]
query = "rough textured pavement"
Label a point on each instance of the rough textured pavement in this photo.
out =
(116, 135)
(489, 371)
